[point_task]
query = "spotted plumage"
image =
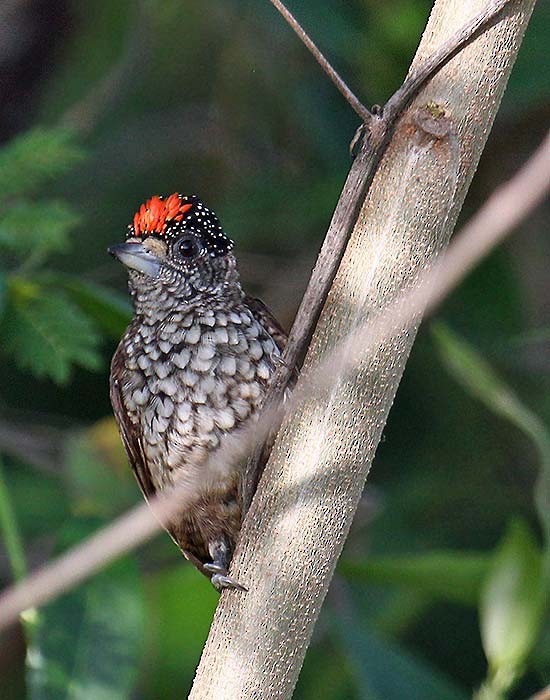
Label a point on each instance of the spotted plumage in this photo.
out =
(191, 370)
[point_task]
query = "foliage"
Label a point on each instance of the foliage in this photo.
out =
(482, 382)
(35, 158)
(512, 607)
(87, 643)
(47, 331)
(441, 588)
(515, 594)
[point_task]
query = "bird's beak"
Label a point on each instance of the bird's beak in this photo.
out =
(136, 257)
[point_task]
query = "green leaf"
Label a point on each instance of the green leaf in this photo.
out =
(9, 527)
(3, 293)
(35, 157)
(37, 228)
(512, 604)
(88, 643)
(182, 604)
(96, 486)
(454, 576)
(110, 311)
(482, 382)
(38, 498)
(47, 333)
(384, 671)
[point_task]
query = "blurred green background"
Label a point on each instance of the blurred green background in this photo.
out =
(442, 588)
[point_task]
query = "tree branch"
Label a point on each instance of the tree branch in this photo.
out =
(374, 137)
(300, 516)
(543, 694)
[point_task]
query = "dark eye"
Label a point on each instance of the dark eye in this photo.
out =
(187, 247)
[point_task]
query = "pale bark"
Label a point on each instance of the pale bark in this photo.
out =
(300, 517)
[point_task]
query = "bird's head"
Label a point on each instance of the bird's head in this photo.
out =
(176, 246)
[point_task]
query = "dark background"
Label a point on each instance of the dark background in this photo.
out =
(106, 103)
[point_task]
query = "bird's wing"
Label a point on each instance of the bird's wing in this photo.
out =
(275, 330)
(129, 432)
(269, 322)
(279, 335)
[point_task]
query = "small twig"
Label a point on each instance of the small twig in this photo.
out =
(335, 78)
(38, 446)
(419, 77)
(342, 223)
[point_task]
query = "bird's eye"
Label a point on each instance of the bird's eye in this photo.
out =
(187, 247)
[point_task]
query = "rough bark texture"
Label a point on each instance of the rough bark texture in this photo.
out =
(300, 517)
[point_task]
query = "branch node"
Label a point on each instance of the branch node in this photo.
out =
(433, 120)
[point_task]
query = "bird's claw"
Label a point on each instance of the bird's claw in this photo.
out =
(215, 568)
(220, 579)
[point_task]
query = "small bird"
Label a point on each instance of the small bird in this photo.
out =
(191, 371)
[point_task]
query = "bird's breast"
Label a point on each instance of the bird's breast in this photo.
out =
(189, 384)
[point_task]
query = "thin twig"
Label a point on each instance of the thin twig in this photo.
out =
(502, 212)
(416, 79)
(507, 206)
(355, 103)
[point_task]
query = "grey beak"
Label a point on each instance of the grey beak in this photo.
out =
(136, 257)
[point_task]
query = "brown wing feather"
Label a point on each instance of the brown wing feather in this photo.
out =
(128, 431)
(279, 335)
(269, 322)
(275, 330)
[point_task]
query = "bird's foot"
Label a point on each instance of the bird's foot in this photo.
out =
(220, 579)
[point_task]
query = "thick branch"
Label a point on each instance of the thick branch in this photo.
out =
(301, 514)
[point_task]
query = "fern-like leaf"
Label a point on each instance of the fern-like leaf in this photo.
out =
(35, 157)
(47, 333)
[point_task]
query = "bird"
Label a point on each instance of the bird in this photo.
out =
(191, 371)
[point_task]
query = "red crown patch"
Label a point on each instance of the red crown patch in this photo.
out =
(157, 212)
